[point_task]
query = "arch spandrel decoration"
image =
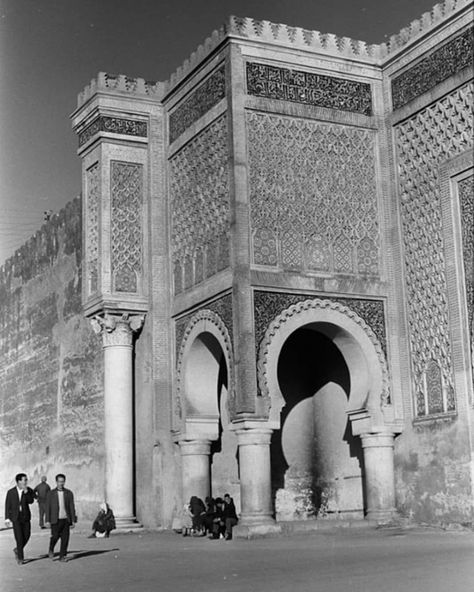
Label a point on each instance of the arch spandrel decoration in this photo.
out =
(204, 321)
(371, 390)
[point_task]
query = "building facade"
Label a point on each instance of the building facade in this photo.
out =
(277, 261)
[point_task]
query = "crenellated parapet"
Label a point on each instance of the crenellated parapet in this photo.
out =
(317, 42)
(120, 83)
(439, 14)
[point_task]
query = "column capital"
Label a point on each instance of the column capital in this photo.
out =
(195, 447)
(378, 440)
(117, 329)
(253, 436)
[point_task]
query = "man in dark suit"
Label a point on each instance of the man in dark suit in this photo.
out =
(18, 515)
(41, 493)
(60, 515)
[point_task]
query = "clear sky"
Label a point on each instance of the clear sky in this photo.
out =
(50, 49)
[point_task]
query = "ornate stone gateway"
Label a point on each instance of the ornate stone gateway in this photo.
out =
(325, 376)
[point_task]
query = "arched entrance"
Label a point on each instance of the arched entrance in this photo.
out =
(317, 462)
(324, 376)
(205, 389)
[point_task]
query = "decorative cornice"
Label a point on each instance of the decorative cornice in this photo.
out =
(113, 125)
(121, 84)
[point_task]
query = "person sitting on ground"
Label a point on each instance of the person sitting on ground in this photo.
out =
(198, 510)
(186, 520)
(209, 515)
(104, 522)
(230, 516)
(218, 522)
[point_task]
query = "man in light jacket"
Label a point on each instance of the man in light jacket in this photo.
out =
(60, 515)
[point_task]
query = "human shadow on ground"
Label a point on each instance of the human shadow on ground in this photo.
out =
(71, 555)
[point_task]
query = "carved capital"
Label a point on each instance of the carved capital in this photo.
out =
(117, 330)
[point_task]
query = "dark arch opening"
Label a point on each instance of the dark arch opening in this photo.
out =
(313, 376)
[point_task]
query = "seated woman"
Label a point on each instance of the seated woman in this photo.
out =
(104, 522)
(198, 510)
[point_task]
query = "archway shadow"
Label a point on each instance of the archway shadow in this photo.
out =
(307, 362)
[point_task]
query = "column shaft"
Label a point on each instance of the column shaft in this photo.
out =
(118, 408)
(379, 476)
(255, 475)
(195, 463)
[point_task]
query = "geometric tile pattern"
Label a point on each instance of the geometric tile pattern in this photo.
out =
(126, 189)
(312, 195)
(435, 134)
(200, 208)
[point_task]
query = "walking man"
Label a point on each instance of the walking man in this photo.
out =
(18, 515)
(41, 492)
(60, 515)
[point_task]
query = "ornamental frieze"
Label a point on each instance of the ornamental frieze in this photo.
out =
(198, 103)
(308, 88)
(268, 305)
(113, 125)
(438, 66)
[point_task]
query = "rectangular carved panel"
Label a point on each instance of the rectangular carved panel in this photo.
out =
(313, 195)
(126, 187)
(308, 88)
(92, 229)
(438, 66)
(425, 141)
(200, 207)
(113, 125)
(198, 103)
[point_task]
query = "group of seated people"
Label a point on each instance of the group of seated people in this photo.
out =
(216, 517)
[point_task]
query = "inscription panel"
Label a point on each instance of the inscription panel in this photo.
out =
(308, 88)
(438, 66)
(114, 125)
(197, 104)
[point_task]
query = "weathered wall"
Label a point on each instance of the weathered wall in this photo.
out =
(51, 366)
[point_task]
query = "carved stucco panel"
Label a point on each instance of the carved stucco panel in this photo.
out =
(126, 186)
(92, 229)
(313, 195)
(426, 140)
(200, 207)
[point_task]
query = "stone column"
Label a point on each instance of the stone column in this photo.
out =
(195, 464)
(117, 334)
(255, 475)
(379, 476)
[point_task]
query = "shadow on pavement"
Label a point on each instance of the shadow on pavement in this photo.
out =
(72, 555)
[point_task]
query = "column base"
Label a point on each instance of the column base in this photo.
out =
(127, 524)
(381, 516)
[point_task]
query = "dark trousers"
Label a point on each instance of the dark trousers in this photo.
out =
(22, 532)
(60, 530)
(42, 512)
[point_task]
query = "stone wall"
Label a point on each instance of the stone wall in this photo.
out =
(51, 410)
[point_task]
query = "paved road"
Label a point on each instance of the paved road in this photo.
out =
(391, 560)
